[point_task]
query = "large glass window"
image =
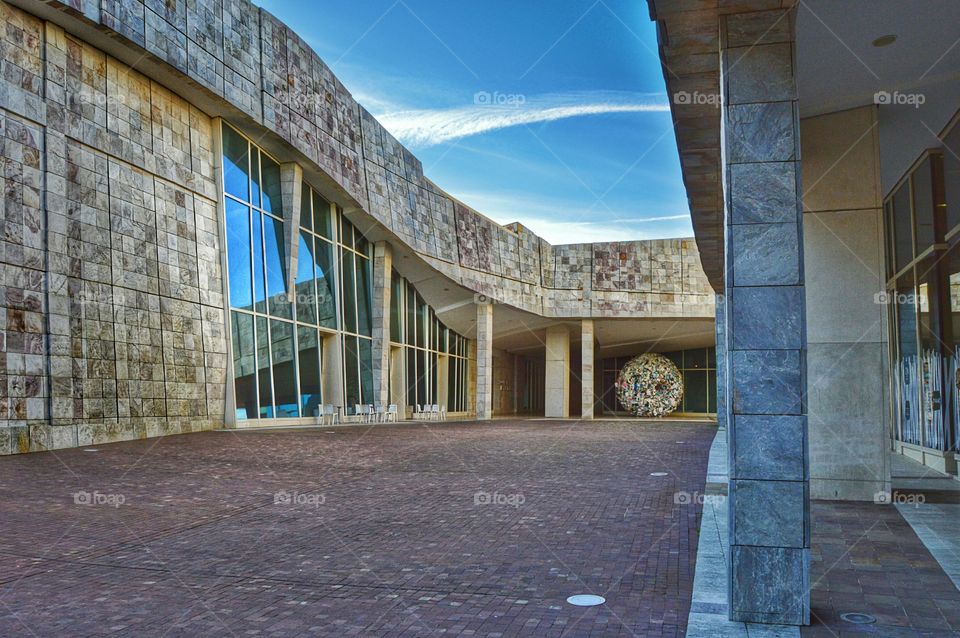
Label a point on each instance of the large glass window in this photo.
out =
(430, 349)
(277, 340)
(921, 296)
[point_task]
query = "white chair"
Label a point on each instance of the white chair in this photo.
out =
(379, 413)
(330, 412)
(435, 412)
(358, 412)
(443, 413)
(392, 413)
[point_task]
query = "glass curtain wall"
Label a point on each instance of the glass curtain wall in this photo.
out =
(425, 339)
(278, 341)
(923, 278)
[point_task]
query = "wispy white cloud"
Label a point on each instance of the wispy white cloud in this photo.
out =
(558, 231)
(495, 111)
(576, 225)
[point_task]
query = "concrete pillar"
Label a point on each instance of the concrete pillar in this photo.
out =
(382, 268)
(557, 374)
(586, 368)
(846, 336)
(766, 336)
(332, 370)
(484, 408)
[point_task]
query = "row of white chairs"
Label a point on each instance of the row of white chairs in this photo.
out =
(366, 413)
(431, 412)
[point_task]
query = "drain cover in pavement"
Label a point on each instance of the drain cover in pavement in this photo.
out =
(858, 618)
(658, 473)
(586, 600)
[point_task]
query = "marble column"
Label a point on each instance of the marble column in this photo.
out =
(557, 373)
(588, 399)
(484, 361)
(382, 269)
(765, 322)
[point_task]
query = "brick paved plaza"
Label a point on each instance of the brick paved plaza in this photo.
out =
(379, 532)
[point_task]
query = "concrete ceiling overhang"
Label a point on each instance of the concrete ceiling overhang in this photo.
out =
(614, 337)
(688, 34)
(838, 68)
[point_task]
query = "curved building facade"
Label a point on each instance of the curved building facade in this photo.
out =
(203, 228)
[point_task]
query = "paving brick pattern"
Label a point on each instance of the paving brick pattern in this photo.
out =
(866, 558)
(383, 534)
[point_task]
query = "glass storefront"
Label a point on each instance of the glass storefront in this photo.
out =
(923, 292)
(435, 357)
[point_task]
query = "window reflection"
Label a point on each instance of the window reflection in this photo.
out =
(276, 267)
(922, 307)
(244, 367)
(238, 254)
(283, 352)
(430, 350)
(236, 164)
(310, 357)
(277, 340)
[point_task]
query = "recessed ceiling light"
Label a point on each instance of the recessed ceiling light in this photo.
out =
(885, 40)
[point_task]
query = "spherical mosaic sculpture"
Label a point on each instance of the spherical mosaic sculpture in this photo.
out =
(650, 385)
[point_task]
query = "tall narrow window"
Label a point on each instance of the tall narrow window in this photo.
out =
(307, 275)
(244, 365)
(264, 379)
(238, 255)
(236, 164)
(284, 368)
(364, 295)
(310, 356)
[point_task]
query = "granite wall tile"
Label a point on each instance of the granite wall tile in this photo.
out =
(764, 132)
(766, 381)
(765, 255)
(760, 73)
(767, 318)
(763, 193)
(767, 513)
(769, 447)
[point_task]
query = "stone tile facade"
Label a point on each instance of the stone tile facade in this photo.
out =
(112, 291)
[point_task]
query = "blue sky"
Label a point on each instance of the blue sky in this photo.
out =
(548, 112)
